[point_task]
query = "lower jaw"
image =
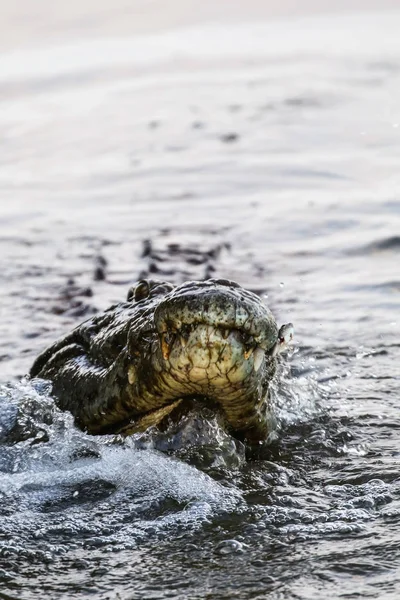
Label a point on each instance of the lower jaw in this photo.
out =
(159, 417)
(252, 427)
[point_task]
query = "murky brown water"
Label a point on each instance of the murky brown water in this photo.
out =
(265, 153)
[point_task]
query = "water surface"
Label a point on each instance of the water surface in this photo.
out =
(265, 153)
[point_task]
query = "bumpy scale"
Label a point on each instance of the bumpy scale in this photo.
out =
(150, 358)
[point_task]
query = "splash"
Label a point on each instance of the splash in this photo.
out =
(296, 393)
(54, 468)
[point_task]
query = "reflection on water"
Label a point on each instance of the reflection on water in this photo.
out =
(268, 155)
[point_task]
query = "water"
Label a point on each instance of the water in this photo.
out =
(265, 153)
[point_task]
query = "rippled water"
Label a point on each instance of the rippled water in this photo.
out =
(268, 154)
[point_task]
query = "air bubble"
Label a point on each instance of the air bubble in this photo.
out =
(229, 547)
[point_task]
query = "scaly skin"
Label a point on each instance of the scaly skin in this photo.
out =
(132, 366)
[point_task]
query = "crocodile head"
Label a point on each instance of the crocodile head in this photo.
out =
(165, 348)
(213, 341)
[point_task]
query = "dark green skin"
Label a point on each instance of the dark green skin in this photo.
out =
(120, 371)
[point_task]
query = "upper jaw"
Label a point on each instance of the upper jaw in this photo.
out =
(218, 306)
(215, 337)
(213, 341)
(211, 362)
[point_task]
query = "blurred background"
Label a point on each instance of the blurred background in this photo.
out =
(25, 24)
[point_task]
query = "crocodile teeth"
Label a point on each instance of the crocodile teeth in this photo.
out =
(248, 353)
(258, 358)
(165, 347)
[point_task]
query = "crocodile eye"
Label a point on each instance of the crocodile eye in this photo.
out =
(139, 292)
(142, 290)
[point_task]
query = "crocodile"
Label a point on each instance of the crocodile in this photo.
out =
(165, 349)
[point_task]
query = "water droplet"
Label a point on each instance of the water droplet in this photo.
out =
(229, 547)
(281, 284)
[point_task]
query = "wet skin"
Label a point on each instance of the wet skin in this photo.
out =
(162, 351)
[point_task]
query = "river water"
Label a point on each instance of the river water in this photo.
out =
(268, 153)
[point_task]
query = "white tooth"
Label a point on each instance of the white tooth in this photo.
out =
(258, 358)
(275, 349)
(210, 330)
